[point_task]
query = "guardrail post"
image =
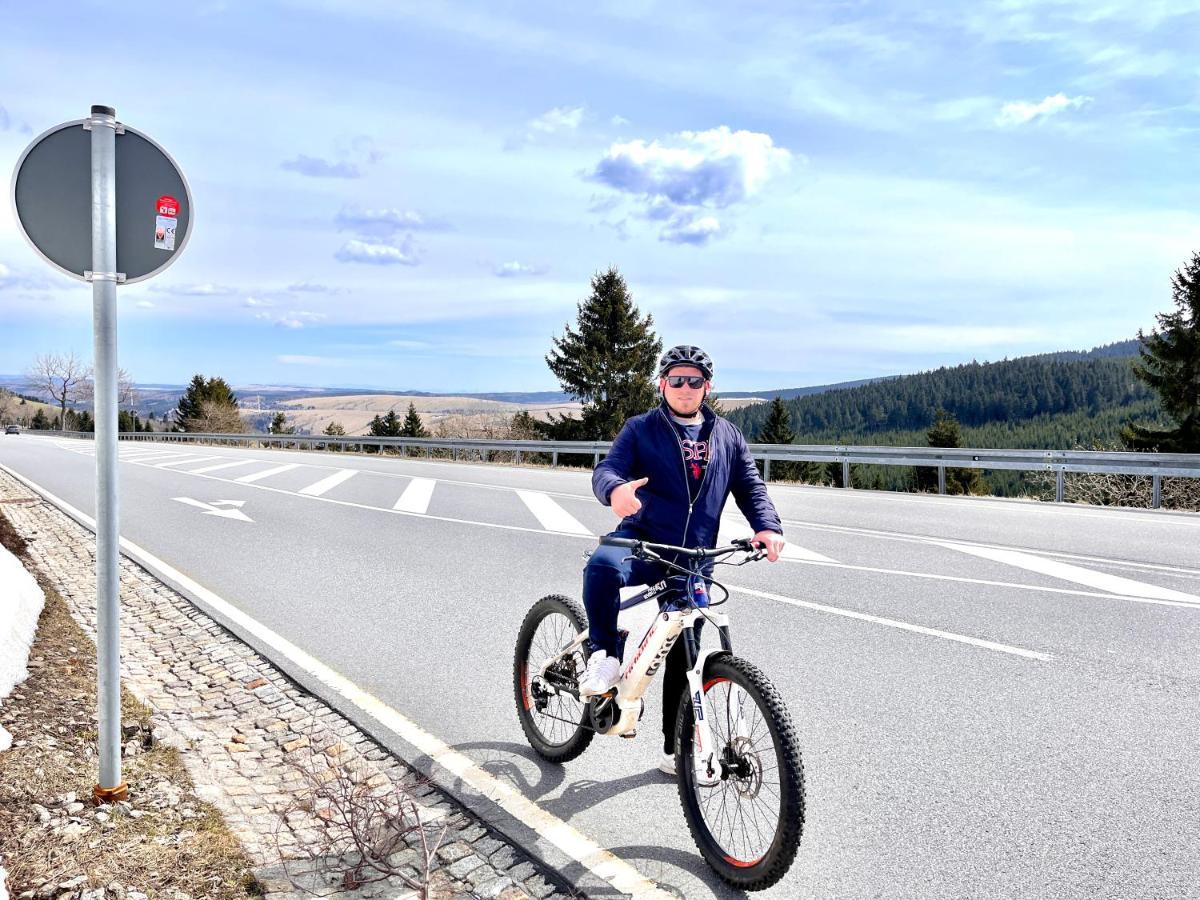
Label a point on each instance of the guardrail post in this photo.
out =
(767, 469)
(1156, 496)
(517, 458)
(1058, 486)
(554, 459)
(845, 473)
(941, 479)
(595, 460)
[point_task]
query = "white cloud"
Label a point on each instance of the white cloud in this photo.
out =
(560, 118)
(315, 167)
(293, 360)
(685, 228)
(618, 121)
(305, 287)
(255, 301)
(380, 254)
(206, 289)
(292, 318)
(1020, 111)
(693, 171)
(384, 222)
(516, 269)
(145, 304)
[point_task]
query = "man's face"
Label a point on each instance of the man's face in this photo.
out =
(685, 400)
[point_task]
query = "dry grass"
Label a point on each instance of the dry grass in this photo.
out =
(166, 842)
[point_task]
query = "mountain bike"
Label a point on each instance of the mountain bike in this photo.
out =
(737, 763)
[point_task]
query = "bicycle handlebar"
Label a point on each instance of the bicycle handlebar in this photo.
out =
(699, 553)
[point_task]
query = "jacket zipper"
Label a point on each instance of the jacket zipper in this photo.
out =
(683, 461)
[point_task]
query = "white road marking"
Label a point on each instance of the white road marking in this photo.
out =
(552, 516)
(578, 846)
(210, 510)
(179, 462)
(149, 454)
(416, 496)
(326, 484)
(1114, 584)
(735, 528)
(228, 465)
(266, 473)
(926, 539)
(894, 623)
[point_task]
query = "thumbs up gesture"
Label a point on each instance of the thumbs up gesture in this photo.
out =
(624, 497)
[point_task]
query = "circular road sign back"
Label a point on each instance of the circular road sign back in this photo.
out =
(52, 198)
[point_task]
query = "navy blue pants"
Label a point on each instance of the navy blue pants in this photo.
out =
(608, 570)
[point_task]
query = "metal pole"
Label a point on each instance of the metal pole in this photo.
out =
(103, 124)
(845, 473)
(941, 479)
(767, 469)
(1156, 499)
(1058, 486)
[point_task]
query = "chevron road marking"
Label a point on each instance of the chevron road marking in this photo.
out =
(416, 496)
(266, 473)
(551, 516)
(327, 484)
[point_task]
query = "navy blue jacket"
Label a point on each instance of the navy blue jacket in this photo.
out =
(648, 447)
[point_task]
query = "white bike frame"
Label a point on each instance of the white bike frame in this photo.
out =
(637, 675)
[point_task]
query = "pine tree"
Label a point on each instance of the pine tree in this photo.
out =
(40, 422)
(608, 364)
(208, 405)
(335, 429)
(1170, 364)
(279, 425)
(412, 426)
(777, 430)
(946, 432)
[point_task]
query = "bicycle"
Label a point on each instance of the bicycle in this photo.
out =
(746, 775)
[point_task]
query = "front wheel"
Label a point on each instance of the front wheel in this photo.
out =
(748, 824)
(554, 721)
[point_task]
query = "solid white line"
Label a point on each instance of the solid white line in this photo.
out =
(180, 462)
(606, 865)
(416, 496)
(326, 484)
(229, 465)
(1101, 580)
(552, 516)
(140, 455)
(266, 473)
(893, 623)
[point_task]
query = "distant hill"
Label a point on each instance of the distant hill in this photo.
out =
(1019, 402)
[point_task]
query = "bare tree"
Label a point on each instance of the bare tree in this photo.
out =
(6, 405)
(216, 418)
(126, 393)
(65, 378)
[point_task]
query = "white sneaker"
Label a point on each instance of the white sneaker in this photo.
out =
(666, 764)
(602, 674)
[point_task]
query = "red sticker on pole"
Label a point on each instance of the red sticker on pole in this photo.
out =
(168, 206)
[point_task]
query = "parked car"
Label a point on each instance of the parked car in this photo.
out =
(12, 429)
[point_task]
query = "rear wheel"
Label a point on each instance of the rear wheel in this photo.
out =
(553, 720)
(748, 824)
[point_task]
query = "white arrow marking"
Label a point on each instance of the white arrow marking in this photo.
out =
(210, 510)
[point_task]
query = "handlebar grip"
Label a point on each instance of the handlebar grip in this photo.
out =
(618, 541)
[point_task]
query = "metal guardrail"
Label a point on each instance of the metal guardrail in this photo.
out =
(1155, 466)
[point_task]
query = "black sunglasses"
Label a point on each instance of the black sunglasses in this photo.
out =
(693, 381)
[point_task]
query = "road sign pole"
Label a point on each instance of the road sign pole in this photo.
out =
(103, 124)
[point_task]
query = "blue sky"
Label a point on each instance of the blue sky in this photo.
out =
(414, 196)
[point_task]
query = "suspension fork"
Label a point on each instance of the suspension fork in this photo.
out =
(705, 753)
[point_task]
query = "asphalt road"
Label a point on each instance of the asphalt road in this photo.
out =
(994, 698)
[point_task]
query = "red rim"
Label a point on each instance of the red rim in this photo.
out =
(739, 863)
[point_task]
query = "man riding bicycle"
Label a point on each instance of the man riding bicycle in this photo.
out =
(667, 476)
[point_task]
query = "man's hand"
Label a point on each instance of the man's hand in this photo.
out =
(624, 498)
(772, 542)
